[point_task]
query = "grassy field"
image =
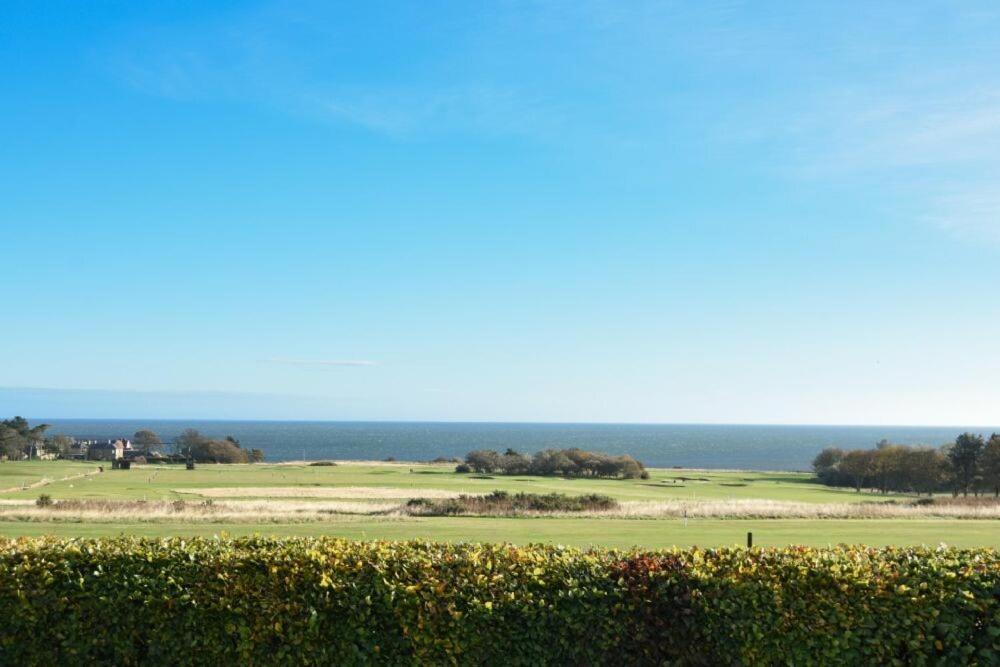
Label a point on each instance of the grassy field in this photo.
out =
(390, 484)
(15, 475)
(581, 532)
(174, 482)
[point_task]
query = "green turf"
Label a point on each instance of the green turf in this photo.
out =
(15, 474)
(575, 532)
(170, 482)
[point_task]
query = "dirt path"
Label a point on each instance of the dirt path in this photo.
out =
(46, 482)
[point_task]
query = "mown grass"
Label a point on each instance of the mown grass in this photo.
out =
(17, 474)
(174, 482)
(619, 533)
(158, 483)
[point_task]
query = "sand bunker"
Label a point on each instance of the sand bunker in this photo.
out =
(357, 492)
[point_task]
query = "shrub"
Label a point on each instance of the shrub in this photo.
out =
(193, 444)
(502, 502)
(573, 462)
(221, 451)
(327, 601)
(483, 460)
(463, 468)
(514, 463)
(323, 463)
(44, 500)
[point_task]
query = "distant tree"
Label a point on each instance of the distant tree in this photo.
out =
(858, 465)
(146, 438)
(17, 436)
(569, 462)
(219, 451)
(483, 460)
(26, 430)
(963, 456)
(187, 442)
(991, 463)
(926, 469)
(514, 463)
(230, 439)
(59, 444)
(826, 465)
(256, 455)
(585, 464)
(551, 462)
(628, 468)
(889, 468)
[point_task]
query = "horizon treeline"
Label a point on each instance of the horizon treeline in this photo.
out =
(18, 437)
(970, 464)
(193, 445)
(572, 462)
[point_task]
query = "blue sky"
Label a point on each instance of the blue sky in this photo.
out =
(773, 212)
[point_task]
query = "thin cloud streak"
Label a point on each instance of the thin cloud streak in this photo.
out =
(322, 362)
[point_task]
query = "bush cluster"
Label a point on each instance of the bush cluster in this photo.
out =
(552, 462)
(192, 444)
(502, 502)
(18, 438)
(326, 601)
(970, 464)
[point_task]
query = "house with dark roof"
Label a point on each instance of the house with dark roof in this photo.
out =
(111, 450)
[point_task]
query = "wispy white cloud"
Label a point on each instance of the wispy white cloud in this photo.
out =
(826, 105)
(971, 212)
(322, 362)
(929, 126)
(304, 62)
(403, 110)
(932, 146)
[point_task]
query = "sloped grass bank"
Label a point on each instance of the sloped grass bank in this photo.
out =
(329, 601)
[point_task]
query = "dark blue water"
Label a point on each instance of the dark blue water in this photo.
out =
(687, 445)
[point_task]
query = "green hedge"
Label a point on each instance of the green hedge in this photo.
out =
(326, 601)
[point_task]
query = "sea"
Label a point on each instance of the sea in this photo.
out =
(745, 447)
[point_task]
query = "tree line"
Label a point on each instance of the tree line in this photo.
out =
(18, 438)
(970, 464)
(553, 462)
(193, 445)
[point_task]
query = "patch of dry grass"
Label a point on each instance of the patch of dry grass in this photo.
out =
(776, 509)
(360, 462)
(354, 492)
(258, 511)
(390, 509)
